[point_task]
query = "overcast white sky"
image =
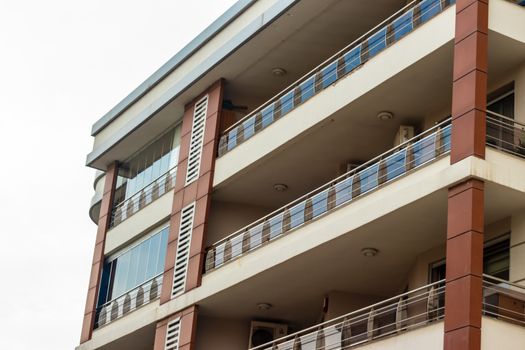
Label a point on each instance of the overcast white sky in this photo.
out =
(63, 64)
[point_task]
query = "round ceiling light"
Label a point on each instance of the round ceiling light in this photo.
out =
(279, 72)
(385, 115)
(369, 252)
(264, 306)
(280, 187)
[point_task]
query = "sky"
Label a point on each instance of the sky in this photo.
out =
(63, 65)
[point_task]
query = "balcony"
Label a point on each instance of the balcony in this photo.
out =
(335, 68)
(377, 172)
(127, 208)
(422, 307)
(505, 134)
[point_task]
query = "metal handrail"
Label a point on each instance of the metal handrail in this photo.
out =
(378, 308)
(336, 180)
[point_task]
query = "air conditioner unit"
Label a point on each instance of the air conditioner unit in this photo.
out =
(404, 134)
(264, 332)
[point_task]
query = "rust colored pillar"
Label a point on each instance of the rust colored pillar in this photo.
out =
(196, 192)
(177, 331)
(463, 295)
(98, 255)
(469, 91)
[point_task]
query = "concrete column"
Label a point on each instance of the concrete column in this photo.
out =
(198, 191)
(464, 277)
(98, 255)
(469, 90)
(517, 249)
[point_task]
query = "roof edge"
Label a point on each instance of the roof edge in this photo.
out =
(180, 57)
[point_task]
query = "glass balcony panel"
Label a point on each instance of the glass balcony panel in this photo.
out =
(377, 43)
(424, 150)
(236, 243)
(297, 215)
(287, 103)
(429, 9)
(352, 59)
(144, 252)
(307, 89)
(153, 258)
(395, 164)
(343, 191)
(276, 225)
(248, 128)
(369, 178)
(403, 25)
(255, 234)
(267, 115)
(329, 74)
(232, 139)
(163, 245)
(445, 138)
(320, 203)
(219, 254)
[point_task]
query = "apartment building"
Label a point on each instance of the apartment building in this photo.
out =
(311, 174)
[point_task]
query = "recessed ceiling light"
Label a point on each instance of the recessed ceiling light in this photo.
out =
(279, 72)
(280, 187)
(385, 115)
(369, 252)
(264, 306)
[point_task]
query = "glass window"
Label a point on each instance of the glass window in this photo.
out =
(496, 259)
(134, 267)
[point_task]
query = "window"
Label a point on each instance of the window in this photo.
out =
(134, 266)
(148, 165)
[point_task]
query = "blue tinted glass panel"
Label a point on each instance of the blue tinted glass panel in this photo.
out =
(143, 258)
(232, 138)
(256, 236)
(424, 150)
(329, 74)
(121, 275)
(445, 138)
(297, 215)
(395, 165)
(429, 8)
(131, 281)
(103, 295)
(352, 59)
(236, 243)
(320, 203)
(249, 127)
(267, 115)
(287, 103)
(377, 43)
(403, 25)
(307, 89)
(369, 178)
(343, 191)
(276, 225)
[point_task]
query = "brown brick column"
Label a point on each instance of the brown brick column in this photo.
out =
(469, 91)
(98, 255)
(187, 320)
(464, 266)
(465, 224)
(198, 191)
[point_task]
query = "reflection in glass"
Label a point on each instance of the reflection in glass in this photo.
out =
(377, 43)
(403, 25)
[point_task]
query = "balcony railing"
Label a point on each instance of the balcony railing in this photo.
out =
(144, 197)
(336, 67)
(505, 134)
(377, 172)
(504, 300)
(396, 315)
(129, 301)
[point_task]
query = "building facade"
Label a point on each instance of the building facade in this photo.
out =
(318, 175)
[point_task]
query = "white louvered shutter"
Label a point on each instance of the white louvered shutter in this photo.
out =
(173, 335)
(196, 140)
(183, 249)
